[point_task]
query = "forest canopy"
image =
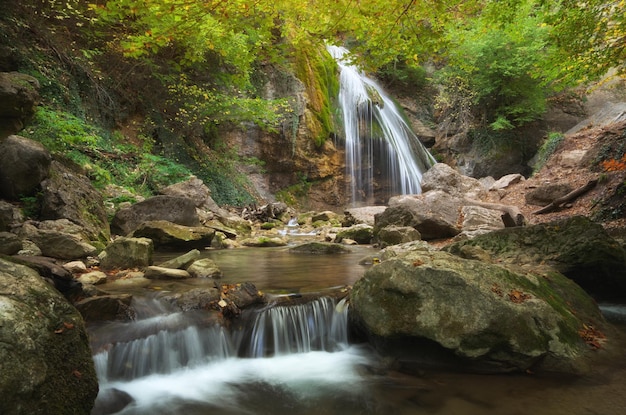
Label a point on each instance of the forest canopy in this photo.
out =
(506, 56)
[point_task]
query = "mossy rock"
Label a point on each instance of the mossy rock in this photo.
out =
(320, 248)
(491, 317)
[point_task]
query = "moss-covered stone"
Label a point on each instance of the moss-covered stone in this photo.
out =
(503, 318)
(45, 361)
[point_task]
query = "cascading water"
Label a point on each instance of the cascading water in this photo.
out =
(380, 147)
(289, 353)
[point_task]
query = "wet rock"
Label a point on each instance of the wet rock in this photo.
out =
(182, 261)
(204, 268)
(92, 278)
(360, 233)
(160, 273)
(319, 248)
(195, 299)
(179, 210)
(264, 242)
(125, 253)
(45, 359)
(106, 308)
(25, 163)
(172, 235)
(489, 317)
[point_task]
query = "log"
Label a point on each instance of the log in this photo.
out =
(511, 215)
(567, 198)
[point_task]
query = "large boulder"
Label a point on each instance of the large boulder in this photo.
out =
(19, 97)
(445, 178)
(365, 214)
(57, 243)
(577, 247)
(434, 214)
(24, 163)
(192, 188)
(46, 366)
(169, 234)
(10, 216)
(360, 233)
(487, 316)
(125, 253)
(179, 210)
(68, 194)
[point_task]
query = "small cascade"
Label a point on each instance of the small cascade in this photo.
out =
(380, 146)
(320, 325)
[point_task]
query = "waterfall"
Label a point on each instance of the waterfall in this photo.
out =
(320, 325)
(380, 147)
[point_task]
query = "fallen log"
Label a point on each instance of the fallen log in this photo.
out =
(511, 215)
(557, 203)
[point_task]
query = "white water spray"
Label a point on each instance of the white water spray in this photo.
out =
(378, 142)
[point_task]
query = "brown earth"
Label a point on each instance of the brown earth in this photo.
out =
(605, 203)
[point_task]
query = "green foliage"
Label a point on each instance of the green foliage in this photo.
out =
(499, 68)
(547, 149)
(60, 131)
(202, 106)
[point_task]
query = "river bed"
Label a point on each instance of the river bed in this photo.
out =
(336, 378)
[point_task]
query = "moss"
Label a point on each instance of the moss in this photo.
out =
(318, 71)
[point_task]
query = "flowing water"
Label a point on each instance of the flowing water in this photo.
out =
(380, 146)
(299, 360)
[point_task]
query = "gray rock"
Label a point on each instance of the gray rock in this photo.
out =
(68, 194)
(19, 97)
(354, 216)
(46, 365)
(435, 214)
(179, 210)
(445, 178)
(476, 217)
(57, 244)
(10, 216)
(492, 318)
(182, 261)
(168, 234)
(506, 181)
(319, 248)
(125, 253)
(192, 188)
(204, 268)
(394, 235)
(106, 308)
(10, 243)
(577, 247)
(160, 273)
(24, 164)
(360, 233)
(92, 278)
(545, 194)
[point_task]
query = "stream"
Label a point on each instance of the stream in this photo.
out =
(299, 359)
